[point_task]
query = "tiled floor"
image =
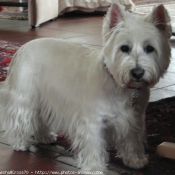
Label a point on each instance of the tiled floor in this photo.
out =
(82, 29)
(166, 86)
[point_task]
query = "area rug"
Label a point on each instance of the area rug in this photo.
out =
(7, 50)
(14, 15)
(160, 124)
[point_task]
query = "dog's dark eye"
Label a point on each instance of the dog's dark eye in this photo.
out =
(125, 48)
(149, 49)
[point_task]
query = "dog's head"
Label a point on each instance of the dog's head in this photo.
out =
(136, 48)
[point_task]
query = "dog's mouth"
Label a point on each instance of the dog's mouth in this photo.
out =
(137, 84)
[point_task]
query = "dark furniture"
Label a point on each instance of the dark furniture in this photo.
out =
(13, 4)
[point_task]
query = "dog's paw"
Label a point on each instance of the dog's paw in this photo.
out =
(20, 147)
(136, 162)
(46, 139)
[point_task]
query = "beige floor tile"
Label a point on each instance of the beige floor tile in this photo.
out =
(167, 80)
(171, 67)
(170, 88)
(160, 94)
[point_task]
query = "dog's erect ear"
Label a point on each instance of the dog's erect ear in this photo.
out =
(115, 15)
(161, 19)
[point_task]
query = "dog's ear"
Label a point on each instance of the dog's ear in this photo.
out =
(161, 19)
(114, 15)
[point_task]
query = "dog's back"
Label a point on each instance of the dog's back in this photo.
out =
(39, 79)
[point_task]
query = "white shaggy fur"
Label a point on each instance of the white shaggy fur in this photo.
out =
(56, 86)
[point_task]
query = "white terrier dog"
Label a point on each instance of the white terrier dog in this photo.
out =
(56, 86)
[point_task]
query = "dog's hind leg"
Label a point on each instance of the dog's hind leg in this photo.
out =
(19, 117)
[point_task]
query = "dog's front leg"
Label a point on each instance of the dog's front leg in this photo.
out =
(90, 146)
(131, 143)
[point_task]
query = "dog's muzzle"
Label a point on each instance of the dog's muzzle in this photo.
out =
(137, 78)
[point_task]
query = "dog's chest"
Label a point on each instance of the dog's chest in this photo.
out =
(114, 103)
(123, 102)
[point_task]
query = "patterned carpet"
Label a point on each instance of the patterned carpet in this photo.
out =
(7, 50)
(13, 13)
(14, 16)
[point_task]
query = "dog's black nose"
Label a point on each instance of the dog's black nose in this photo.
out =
(137, 73)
